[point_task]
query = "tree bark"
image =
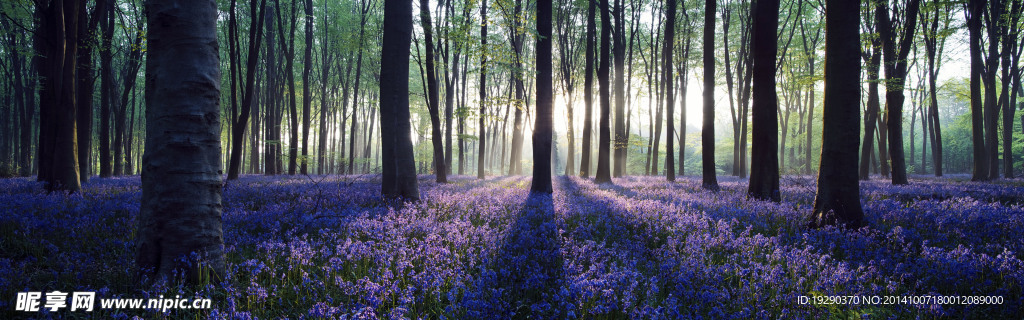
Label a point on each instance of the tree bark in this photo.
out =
(621, 138)
(974, 12)
(399, 165)
(483, 92)
(764, 177)
(307, 64)
(838, 197)
(667, 78)
(603, 170)
(710, 180)
(895, 74)
(181, 181)
(588, 94)
(432, 95)
(238, 128)
(86, 82)
(58, 153)
(543, 126)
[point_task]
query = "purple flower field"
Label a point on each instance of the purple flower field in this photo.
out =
(331, 248)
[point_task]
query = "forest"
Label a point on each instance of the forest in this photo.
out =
(496, 159)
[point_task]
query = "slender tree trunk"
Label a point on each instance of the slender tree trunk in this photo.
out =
(323, 162)
(432, 95)
(588, 94)
(993, 22)
(28, 109)
(271, 144)
(293, 112)
(981, 163)
(238, 128)
(895, 74)
(483, 91)
(619, 32)
(873, 64)
(86, 82)
(603, 170)
(355, 91)
(666, 69)
(307, 64)
(450, 96)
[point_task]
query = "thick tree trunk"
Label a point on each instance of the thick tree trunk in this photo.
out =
(764, 177)
(399, 165)
(58, 153)
(710, 180)
(543, 127)
(838, 197)
(181, 180)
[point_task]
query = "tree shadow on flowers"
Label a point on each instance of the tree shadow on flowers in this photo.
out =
(521, 280)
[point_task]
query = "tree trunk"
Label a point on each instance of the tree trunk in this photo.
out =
(271, 132)
(543, 127)
(603, 170)
(399, 165)
(974, 12)
(238, 128)
(364, 8)
(666, 69)
(764, 177)
(621, 137)
(86, 82)
(307, 64)
(838, 197)
(483, 92)
(323, 162)
(588, 94)
(289, 70)
(432, 95)
(181, 180)
(58, 153)
(710, 180)
(895, 74)
(873, 63)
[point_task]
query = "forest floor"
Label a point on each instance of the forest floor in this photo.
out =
(330, 247)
